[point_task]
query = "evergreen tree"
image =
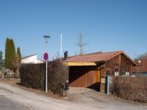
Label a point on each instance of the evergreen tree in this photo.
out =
(13, 58)
(7, 52)
(18, 56)
(1, 61)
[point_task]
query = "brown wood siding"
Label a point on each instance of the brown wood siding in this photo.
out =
(125, 64)
(113, 63)
(117, 62)
(82, 76)
(102, 70)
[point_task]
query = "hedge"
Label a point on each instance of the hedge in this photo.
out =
(33, 75)
(131, 88)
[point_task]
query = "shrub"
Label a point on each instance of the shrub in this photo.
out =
(33, 75)
(130, 88)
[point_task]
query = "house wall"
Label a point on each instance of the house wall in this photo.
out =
(125, 64)
(139, 74)
(117, 62)
(84, 76)
(31, 59)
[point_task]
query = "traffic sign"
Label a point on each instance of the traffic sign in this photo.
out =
(45, 56)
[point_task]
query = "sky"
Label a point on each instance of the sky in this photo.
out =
(108, 25)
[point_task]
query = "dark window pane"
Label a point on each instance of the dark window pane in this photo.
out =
(116, 69)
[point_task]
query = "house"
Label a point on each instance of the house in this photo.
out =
(140, 68)
(31, 59)
(86, 70)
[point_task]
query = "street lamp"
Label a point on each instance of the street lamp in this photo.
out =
(139, 61)
(46, 36)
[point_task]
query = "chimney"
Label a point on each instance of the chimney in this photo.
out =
(65, 55)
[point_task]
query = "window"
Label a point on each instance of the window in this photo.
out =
(116, 72)
(107, 72)
(127, 71)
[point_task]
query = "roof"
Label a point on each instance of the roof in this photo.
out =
(31, 56)
(97, 57)
(140, 67)
(28, 56)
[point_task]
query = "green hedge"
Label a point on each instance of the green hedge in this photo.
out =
(33, 75)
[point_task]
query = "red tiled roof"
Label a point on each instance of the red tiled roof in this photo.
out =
(142, 67)
(96, 57)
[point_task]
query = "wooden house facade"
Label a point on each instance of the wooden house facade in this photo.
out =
(86, 70)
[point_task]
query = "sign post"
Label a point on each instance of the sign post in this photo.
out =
(46, 58)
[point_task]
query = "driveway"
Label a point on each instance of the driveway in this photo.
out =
(80, 99)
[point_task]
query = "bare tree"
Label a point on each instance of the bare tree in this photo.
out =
(141, 57)
(80, 43)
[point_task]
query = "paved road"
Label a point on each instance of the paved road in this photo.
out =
(6, 104)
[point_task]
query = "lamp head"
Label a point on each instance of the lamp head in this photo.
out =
(139, 61)
(46, 36)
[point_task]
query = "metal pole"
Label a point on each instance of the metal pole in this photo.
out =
(46, 66)
(46, 87)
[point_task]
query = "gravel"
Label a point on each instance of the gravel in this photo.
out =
(80, 99)
(92, 97)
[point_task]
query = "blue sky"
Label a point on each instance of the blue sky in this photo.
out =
(109, 25)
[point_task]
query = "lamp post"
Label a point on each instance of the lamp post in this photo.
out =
(46, 36)
(139, 61)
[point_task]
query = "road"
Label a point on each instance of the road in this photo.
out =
(6, 104)
(32, 101)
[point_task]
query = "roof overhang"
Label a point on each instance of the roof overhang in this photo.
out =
(82, 63)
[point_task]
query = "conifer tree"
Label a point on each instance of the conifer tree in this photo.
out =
(7, 52)
(13, 58)
(1, 60)
(18, 56)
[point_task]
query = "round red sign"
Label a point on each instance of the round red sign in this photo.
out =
(46, 56)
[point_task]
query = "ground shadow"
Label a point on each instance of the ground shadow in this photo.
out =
(95, 86)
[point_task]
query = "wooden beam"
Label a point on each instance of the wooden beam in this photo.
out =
(81, 63)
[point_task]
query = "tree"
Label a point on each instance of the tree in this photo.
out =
(1, 61)
(80, 43)
(12, 55)
(18, 56)
(7, 52)
(141, 57)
